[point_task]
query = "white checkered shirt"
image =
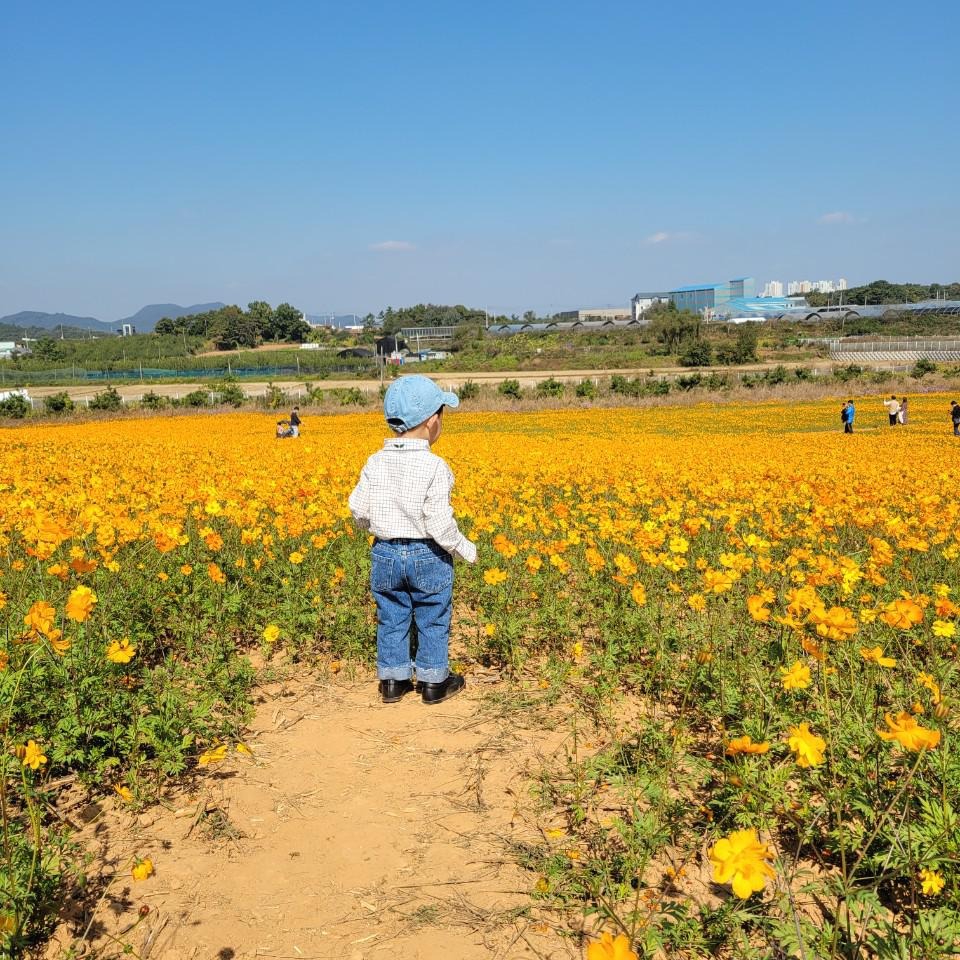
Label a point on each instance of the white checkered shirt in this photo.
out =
(404, 493)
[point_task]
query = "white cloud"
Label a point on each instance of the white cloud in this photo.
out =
(392, 246)
(664, 236)
(838, 216)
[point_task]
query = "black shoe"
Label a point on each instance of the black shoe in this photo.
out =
(438, 692)
(392, 691)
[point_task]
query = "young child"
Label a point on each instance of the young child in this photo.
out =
(403, 499)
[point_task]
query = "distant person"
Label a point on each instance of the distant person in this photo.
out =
(902, 414)
(847, 413)
(295, 422)
(955, 417)
(893, 409)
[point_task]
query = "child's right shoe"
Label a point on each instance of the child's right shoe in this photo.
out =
(392, 691)
(438, 692)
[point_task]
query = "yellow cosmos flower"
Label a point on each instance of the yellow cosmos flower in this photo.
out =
(807, 747)
(40, 617)
(59, 643)
(296, 558)
(740, 859)
(758, 609)
(494, 576)
(745, 744)
(124, 793)
(4, 660)
(31, 755)
(902, 614)
(121, 651)
(931, 882)
(489, 629)
(534, 562)
(609, 947)
(271, 633)
(908, 733)
(80, 603)
(796, 678)
(214, 755)
(943, 628)
(718, 581)
(625, 565)
(639, 594)
(186, 569)
(142, 869)
(926, 680)
(875, 655)
(837, 623)
(697, 601)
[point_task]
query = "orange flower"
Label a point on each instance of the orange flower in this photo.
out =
(40, 617)
(902, 614)
(216, 574)
(718, 581)
(80, 603)
(875, 655)
(758, 609)
(908, 733)
(745, 744)
(609, 947)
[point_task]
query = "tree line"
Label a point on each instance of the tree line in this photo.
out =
(231, 328)
(882, 291)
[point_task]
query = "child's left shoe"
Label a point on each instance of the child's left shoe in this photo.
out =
(392, 691)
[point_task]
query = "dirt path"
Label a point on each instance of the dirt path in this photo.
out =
(355, 831)
(452, 380)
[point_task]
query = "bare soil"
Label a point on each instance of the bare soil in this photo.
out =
(356, 830)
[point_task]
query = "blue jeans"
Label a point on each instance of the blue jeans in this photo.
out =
(412, 580)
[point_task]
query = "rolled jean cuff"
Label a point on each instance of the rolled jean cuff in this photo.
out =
(432, 674)
(394, 673)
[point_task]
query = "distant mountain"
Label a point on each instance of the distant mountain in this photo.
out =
(53, 321)
(145, 319)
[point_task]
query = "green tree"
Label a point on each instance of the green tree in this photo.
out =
(698, 353)
(107, 399)
(232, 329)
(673, 327)
(58, 402)
(746, 343)
(288, 324)
(46, 348)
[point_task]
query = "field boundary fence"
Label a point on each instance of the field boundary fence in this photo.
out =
(143, 374)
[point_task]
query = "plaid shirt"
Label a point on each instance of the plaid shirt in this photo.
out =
(404, 492)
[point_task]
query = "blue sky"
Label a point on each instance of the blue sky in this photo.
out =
(513, 156)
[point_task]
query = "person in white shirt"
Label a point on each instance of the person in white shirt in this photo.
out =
(893, 408)
(403, 499)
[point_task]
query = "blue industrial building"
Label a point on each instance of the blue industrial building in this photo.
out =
(713, 296)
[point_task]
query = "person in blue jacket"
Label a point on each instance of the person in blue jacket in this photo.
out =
(847, 415)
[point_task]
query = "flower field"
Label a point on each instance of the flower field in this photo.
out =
(753, 614)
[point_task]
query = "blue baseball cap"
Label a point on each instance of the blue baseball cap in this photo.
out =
(411, 400)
